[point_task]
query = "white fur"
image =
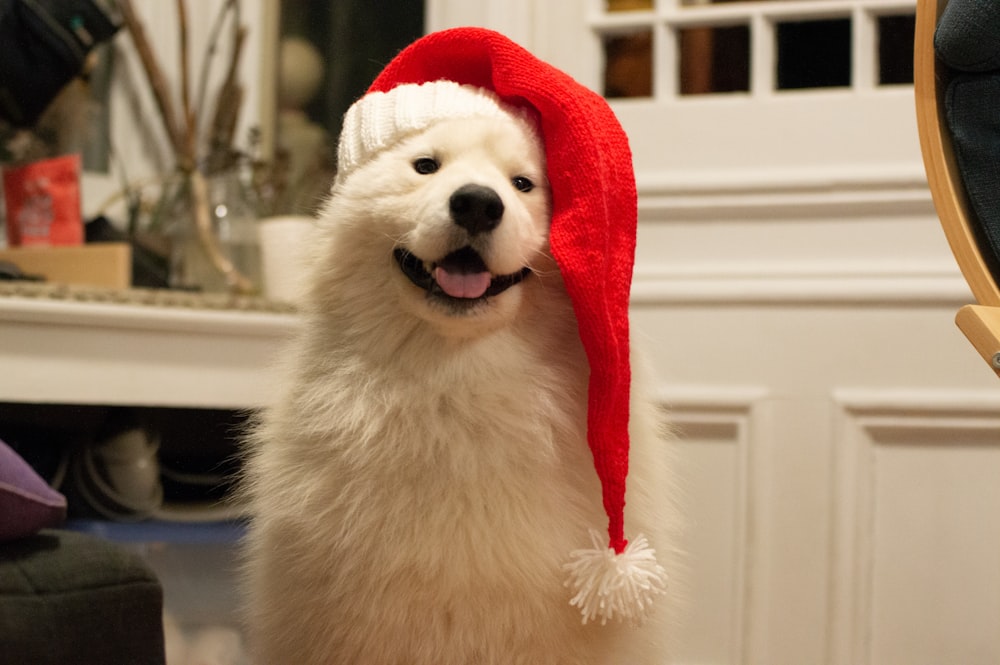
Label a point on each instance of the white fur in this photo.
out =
(424, 474)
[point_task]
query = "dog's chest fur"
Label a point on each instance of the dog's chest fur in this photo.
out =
(438, 485)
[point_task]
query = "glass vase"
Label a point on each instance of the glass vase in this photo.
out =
(210, 221)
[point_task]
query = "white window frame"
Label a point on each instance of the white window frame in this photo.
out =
(792, 143)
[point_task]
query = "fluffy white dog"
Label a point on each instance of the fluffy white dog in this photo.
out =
(424, 473)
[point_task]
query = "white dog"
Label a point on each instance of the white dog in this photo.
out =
(424, 472)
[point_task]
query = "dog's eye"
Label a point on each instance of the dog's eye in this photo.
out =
(426, 165)
(522, 184)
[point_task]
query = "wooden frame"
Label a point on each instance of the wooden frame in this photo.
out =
(981, 322)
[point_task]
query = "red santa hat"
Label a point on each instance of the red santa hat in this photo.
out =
(477, 72)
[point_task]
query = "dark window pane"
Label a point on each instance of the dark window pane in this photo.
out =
(814, 54)
(895, 49)
(628, 65)
(714, 59)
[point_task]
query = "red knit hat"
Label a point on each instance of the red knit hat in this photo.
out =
(592, 238)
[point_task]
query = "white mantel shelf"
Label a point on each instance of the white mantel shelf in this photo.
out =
(69, 352)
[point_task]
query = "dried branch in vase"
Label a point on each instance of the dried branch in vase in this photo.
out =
(182, 130)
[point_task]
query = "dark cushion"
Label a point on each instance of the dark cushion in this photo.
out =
(967, 41)
(968, 35)
(27, 503)
(972, 106)
(68, 597)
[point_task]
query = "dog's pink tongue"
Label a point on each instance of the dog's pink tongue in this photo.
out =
(462, 285)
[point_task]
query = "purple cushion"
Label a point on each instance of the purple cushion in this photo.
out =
(27, 503)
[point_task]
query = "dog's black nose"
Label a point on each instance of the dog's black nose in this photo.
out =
(476, 208)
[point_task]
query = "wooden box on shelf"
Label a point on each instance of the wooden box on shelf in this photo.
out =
(99, 264)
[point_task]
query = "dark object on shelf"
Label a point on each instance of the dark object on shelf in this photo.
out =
(150, 269)
(11, 272)
(45, 45)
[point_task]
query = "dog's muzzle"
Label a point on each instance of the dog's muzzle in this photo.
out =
(461, 275)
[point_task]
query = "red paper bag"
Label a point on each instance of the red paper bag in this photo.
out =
(43, 203)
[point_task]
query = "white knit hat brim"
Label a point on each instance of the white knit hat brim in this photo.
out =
(380, 119)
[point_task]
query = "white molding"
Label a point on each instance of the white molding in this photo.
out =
(865, 420)
(739, 408)
(850, 283)
(702, 398)
(872, 405)
(853, 187)
(674, 204)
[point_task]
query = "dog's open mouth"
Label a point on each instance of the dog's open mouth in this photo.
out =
(461, 275)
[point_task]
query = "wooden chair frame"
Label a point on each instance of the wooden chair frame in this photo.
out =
(980, 322)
